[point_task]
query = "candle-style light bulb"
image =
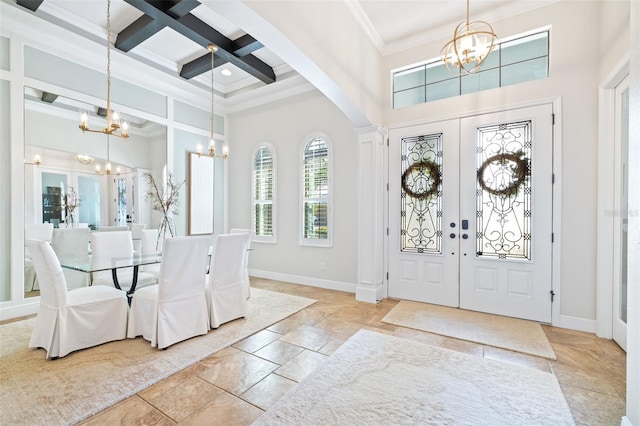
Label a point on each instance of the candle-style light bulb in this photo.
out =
(107, 168)
(199, 149)
(98, 167)
(84, 121)
(125, 128)
(37, 160)
(225, 150)
(212, 147)
(115, 119)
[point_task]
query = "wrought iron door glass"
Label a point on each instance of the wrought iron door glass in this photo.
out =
(421, 194)
(503, 191)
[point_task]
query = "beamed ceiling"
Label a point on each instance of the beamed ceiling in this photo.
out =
(176, 15)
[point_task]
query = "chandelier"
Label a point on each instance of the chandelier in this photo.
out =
(471, 44)
(107, 164)
(212, 145)
(114, 126)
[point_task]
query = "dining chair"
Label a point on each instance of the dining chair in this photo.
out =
(112, 228)
(107, 248)
(150, 244)
(224, 284)
(34, 231)
(69, 320)
(72, 243)
(136, 235)
(175, 309)
(247, 283)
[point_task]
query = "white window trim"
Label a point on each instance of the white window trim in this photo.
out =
(313, 242)
(274, 225)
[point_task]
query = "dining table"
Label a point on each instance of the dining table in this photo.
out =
(84, 264)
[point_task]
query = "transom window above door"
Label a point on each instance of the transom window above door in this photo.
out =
(519, 59)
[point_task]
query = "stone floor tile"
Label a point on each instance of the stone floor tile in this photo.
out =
(463, 346)
(237, 373)
(225, 410)
(269, 390)
(182, 400)
(279, 352)
(131, 411)
(308, 337)
(516, 358)
(301, 366)
(257, 341)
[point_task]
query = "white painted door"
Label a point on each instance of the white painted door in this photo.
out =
(481, 241)
(506, 172)
(423, 213)
(621, 214)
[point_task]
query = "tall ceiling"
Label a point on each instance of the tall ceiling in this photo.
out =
(172, 35)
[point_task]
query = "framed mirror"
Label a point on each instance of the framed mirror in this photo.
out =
(201, 190)
(66, 184)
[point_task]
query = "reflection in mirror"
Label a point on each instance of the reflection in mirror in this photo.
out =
(69, 185)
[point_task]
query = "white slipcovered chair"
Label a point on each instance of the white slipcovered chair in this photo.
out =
(247, 282)
(107, 248)
(40, 232)
(112, 228)
(136, 235)
(72, 243)
(69, 320)
(176, 308)
(151, 245)
(225, 281)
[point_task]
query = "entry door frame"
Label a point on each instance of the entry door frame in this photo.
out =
(556, 102)
(606, 203)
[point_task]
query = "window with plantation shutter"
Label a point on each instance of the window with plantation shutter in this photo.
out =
(263, 194)
(316, 221)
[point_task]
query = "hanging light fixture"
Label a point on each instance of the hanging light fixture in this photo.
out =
(212, 144)
(471, 44)
(114, 126)
(107, 165)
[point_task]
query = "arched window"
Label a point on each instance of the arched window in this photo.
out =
(264, 194)
(316, 222)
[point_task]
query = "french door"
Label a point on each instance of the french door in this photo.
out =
(470, 213)
(621, 220)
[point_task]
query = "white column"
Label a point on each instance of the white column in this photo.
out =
(371, 207)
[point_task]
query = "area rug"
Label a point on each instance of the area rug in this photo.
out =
(36, 391)
(492, 330)
(378, 379)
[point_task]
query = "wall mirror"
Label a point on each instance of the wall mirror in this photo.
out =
(66, 184)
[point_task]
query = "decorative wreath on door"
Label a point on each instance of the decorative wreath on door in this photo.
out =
(427, 170)
(520, 170)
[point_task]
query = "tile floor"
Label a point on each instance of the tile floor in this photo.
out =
(235, 385)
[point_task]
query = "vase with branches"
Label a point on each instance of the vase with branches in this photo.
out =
(71, 202)
(163, 198)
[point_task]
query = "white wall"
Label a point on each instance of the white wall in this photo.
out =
(285, 125)
(574, 78)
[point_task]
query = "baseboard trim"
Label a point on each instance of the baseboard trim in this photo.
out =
(297, 279)
(576, 323)
(625, 421)
(12, 312)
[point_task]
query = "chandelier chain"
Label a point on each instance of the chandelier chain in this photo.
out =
(213, 54)
(108, 63)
